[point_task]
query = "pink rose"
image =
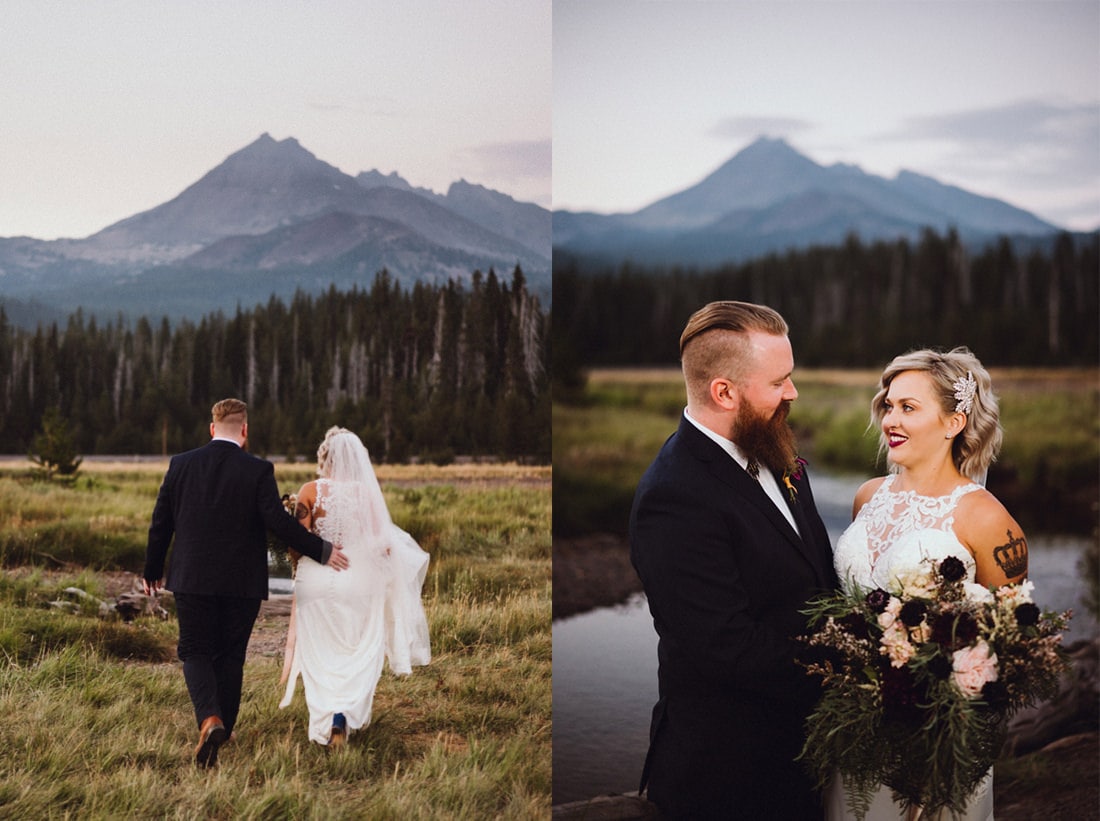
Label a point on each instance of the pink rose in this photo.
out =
(974, 666)
(896, 645)
(889, 615)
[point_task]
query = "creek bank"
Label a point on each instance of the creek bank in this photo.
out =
(592, 571)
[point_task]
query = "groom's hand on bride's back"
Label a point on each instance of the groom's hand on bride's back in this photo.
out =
(338, 560)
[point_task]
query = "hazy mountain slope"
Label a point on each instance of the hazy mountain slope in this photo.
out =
(769, 197)
(524, 222)
(274, 207)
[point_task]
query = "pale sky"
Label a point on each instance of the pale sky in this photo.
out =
(1000, 98)
(111, 107)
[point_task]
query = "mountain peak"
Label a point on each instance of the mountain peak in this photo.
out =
(462, 188)
(766, 143)
(266, 148)
(263, 185)
(770, 150)
(375, 179)
(762, 173)
(273, 206)
(769, 196)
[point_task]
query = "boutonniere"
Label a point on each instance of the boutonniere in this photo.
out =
(791, 474)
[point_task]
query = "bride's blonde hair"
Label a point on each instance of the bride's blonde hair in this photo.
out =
(977, 445)
(323, 449)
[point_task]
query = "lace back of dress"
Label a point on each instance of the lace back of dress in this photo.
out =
(890, 515)
(343, 513)
(350, 509)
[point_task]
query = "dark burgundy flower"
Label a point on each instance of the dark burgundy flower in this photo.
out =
(877, 600)
(943, 625)
(995, 694)
(900, 696)
(854, 624)
(966, 628)
(796, 471)
(940, 666)
(912, 613)
(1027, 615)
(951, 569)
(954, 631)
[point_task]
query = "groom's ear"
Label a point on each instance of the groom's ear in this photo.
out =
(723, 393)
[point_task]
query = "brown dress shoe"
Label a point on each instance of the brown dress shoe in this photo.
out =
(211, 736)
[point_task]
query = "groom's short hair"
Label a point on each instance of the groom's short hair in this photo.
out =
(228, 410)
(714, 341)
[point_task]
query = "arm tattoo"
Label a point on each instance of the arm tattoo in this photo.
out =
(301, 511)
(1011, 557)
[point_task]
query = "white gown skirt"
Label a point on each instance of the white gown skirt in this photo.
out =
(883, 808)
(345, 624)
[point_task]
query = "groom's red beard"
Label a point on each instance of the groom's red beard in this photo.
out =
(766, 440)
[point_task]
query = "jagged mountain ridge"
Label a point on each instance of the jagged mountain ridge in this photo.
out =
(273, 206)
(261, 187)
(769, 197)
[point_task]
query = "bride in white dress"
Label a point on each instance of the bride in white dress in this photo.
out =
(344, 626)
(938, 419)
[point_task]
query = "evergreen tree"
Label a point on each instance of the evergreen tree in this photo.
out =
(53, 449)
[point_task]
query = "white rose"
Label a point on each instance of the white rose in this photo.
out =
(977, 593)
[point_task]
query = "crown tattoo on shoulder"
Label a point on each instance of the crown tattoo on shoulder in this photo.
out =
(1011, 557)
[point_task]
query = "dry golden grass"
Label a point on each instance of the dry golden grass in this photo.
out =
(1076, 380)
(472, 472)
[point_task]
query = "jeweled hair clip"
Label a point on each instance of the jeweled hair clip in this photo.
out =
(965, 389)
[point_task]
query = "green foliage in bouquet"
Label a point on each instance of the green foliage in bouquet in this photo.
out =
(919, 683)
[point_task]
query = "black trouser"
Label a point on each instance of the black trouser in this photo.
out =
(214, 633)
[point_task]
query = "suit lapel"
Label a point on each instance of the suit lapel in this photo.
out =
(812, 550)
(731, 474)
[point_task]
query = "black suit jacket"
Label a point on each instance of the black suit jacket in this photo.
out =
(726, 576)
(219, 502)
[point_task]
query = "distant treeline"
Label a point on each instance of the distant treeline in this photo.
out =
(854, 305)
(432, 372)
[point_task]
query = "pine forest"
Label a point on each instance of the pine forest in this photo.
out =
(855, 305)
(431, 373)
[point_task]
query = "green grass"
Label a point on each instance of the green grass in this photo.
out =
(95, 520)
(100, 726)
(1046, 473)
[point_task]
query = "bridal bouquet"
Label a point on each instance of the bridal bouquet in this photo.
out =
(919, 681)
(283, 553)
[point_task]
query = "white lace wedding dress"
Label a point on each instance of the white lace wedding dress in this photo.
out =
(347, 623)
(892, 533)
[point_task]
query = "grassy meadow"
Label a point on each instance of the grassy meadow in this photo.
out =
(1046, 473)
(99, 724)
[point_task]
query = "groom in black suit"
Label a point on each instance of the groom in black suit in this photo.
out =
(219, 502)
(729, 547)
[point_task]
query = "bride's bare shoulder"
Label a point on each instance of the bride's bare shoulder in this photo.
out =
(307, 494)
(865, 492)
